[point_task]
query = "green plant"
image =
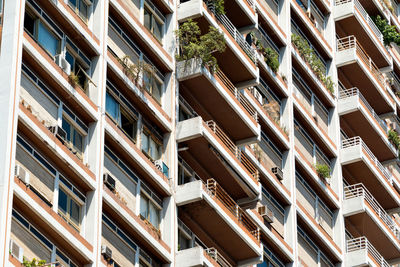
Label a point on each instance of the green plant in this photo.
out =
(388, 31)
(194, 45)
(219, 6)
(133, 70)
(73, 79)
(271, 57)
(33, 263)
(323, 170)
(316, 64)
(394, 138)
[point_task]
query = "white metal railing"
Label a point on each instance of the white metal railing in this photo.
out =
(213, 253)
(250, 51)
(252, 4)
(359, 190)
(357, 141)
(355, 92)
(363, 13)
(362, 243)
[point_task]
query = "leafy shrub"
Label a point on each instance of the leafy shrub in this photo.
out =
(323, 170)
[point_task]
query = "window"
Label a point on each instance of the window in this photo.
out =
(74, 137)
(153, 85)
(184, 241)
(150, 146)
(80, 8)
(69, 208)
(154, 22)
(42, 34)
(149, 210)
(184, 176)
(78, 69)
(121, 116)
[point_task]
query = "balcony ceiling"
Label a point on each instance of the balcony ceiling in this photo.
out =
(236, 15)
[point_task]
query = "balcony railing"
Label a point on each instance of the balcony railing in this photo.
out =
(365, 15)
(214, 254)
(343, 94)
(362, 243)
(358, 190)
(224, 20)
(215, 190)
(350, 42)
(233, 149)
(245, 103)
(357, 141)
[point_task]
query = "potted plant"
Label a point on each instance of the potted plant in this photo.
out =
(323, 170)
(73, 79)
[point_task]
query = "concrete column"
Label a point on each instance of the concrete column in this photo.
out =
(10, 75)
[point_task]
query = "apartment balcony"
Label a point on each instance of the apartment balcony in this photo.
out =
(268, 12)
(238, 52)
(311, 252)
(351, 16)
(359, 162)
(41, 62)
(209, 146)
(219, 98)
(360, 252)
(355, 111)
(61, 154)
(129, 17)
(314, 27)
(192, 251)
(272, 225)
(360, 71)
(145, 233)
(29, 240)
(364, 212)
(202, 201)
(269, 116)
(312, 111)
(242, 13)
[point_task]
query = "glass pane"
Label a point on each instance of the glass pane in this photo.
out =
(83, 9)
(144, 206)
(75, 212)
(62, 201)
(71, 60)
(29, 24)
(145, 142)
(158, 29)
(47, 39)
(72, 2)
(67, 128)
(154, 150)
(154, 215)
(112, 107)
(147, 80)
(78, 141)
(147, 19)
(157, 87)
(128, 124)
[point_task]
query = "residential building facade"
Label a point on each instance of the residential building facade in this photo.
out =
(122, 146)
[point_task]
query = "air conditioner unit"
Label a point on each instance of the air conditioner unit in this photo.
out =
(59, 132)
(16, 251)
(22, 174)
(63, 63)
(266, 213)
(159, 164)
(258, 96)
(109, 181)
(88, 2)
(106, 252)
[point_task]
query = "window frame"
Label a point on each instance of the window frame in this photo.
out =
(153, 17)
(75, 127)
(149, 202)
(152, 137)
(66, 216)
(76, 9)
